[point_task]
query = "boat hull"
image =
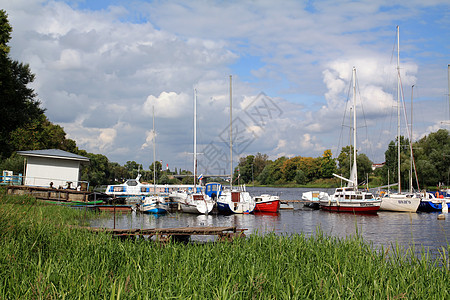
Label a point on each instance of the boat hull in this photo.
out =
(268, 206)
(153, 205)
(352, 207)
(234, 208)
(201, 207)
(429, 206)
(153, 210)
(235, 202)
(400, 203)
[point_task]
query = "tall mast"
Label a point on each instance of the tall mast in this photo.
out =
(448, 76)
(154, 152)
(231, 135)
(195, 140)
(410, 141)
(355, 178)
(398, 109)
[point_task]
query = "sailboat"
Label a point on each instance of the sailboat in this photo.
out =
(196, 202)
(234, 200)
(153, 204)
(400, 202)
(350, 199)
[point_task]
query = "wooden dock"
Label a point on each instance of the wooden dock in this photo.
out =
(53, 194)
(176, 234)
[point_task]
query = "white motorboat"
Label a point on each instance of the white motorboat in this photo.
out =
(235, 202)
(153, 205)
(312, 199)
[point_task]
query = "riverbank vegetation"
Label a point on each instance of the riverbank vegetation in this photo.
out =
(42, 258)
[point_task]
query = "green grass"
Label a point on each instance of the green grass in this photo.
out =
(42, 258)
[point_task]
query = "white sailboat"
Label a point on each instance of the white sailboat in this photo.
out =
(350, 199)
(154, 204)
(400, 202)
(195, 202)
(233, 200)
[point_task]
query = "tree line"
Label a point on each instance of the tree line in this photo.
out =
(431, 157)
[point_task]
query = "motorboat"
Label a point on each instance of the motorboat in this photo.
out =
(267, 203)
(312, 199)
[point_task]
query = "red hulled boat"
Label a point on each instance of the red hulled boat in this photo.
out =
(267, 203)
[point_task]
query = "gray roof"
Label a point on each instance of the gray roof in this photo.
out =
(53, 153)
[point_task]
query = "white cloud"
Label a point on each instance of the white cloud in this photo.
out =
(150, 136)
(167, 105)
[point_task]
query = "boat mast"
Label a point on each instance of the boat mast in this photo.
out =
(410, 141)
(231, 135)
(355, 177)
(195, 140)
(398, 109)
(154, 153)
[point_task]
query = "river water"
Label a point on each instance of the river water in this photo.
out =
(381, 229)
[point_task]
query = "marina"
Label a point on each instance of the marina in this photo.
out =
(384, 229)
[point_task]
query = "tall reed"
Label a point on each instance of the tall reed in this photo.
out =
(42, 258)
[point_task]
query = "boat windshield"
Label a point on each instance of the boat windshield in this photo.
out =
(131, 182)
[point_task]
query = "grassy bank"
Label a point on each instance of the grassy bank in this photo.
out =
(41, 258)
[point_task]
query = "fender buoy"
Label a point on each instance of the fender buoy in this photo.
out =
(437, 194)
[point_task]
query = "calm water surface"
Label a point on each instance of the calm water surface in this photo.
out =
(381, 229)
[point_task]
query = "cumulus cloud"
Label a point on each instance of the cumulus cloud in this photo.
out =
(167, 104)
(150, 136)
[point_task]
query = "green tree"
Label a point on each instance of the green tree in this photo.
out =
(327, 165)
(13, 163)
(19, 104)
(117, 173)
(259, 163)
(290, 167)
(164, 179)
(97, 171)
(432, 154)
(158, 170)
(41, 134)
(133, 168)
(272, 173)
(244, 169)
(391, 164)
(345, 160)
(300, 177)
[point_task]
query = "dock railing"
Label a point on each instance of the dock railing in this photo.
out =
(11, 180)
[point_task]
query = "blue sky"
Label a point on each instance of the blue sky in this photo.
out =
(102, 65)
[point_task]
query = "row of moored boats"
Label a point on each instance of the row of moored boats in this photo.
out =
(157, 199)
(350, 199)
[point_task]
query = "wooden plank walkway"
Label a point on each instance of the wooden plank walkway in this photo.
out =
(179, 233)
(53, 194)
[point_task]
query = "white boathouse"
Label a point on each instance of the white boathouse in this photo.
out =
(52, 168)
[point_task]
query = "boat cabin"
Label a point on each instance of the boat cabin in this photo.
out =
(213, 190)
(349, 193)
